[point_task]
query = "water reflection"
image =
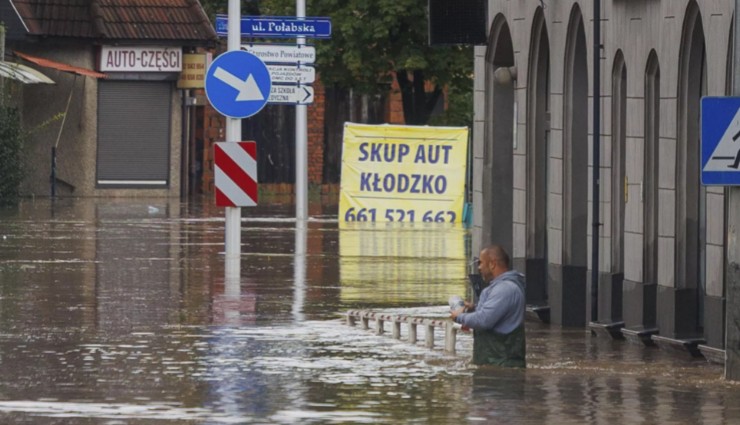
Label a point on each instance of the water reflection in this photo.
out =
(299, 273)
(404, 263)
(118, 312)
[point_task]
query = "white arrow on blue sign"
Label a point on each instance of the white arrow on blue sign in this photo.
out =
(277, 26)
(720, 141)
(238, 84)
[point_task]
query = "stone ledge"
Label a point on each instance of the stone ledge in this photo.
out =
(679, 345)
(640, 335)
(611, 330)
(712, 354)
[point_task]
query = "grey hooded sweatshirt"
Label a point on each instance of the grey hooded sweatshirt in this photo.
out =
(500, 307)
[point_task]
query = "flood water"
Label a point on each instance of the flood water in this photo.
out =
(117, 312)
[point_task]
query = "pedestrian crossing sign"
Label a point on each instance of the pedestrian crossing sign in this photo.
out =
(720, 141)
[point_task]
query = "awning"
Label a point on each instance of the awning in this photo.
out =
(23, 73)
(48, 63)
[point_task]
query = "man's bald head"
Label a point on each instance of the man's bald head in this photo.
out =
(497, 252)
(494, 260)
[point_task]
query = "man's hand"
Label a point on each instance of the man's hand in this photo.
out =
(468, 308)
(454, 314)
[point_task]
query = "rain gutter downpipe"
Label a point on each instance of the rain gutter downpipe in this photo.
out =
(596, 199)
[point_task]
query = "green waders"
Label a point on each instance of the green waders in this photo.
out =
(490, 347)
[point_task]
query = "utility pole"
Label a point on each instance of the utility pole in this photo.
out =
(233, 215)
(732, 276)
(301, 142)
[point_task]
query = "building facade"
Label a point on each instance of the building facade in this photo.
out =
(115, 119)
(662, 235)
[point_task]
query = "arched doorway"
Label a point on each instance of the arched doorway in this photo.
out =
(619, 141)
(680, 307)
(497, 185)
(567, 282)
(538, 131)
(575, 145)
(651, 166)
(639, 285)
(610, 293)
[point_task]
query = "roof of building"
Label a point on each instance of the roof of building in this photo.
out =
(48, 63)
(135, 20)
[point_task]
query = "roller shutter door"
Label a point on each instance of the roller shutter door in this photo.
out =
(133, 133)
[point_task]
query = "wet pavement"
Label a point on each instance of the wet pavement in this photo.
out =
(116, 312)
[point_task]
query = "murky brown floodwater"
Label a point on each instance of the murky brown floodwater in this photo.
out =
(116, 312)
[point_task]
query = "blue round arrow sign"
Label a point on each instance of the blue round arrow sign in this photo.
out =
(238, 84)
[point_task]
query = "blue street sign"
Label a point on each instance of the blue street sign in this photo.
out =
(278, 26)
(238, 84)
(720, 141)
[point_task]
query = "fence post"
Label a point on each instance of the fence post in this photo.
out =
(450, 337)
(412, 332)
(396, 328)
(429, 336)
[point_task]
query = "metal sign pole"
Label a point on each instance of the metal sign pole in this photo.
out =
(301, 151)
(732, 277)
(233, 134)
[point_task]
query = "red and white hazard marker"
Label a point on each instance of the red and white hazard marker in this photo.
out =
(236, 174)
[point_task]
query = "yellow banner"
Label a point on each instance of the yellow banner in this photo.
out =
(403, 173)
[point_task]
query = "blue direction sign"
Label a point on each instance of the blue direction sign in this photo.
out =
(238, 84)
(720, 141)
(277, 26)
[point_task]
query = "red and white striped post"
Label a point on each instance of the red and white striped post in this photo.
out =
(235, 174)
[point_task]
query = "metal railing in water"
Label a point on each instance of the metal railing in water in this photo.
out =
(450, 328)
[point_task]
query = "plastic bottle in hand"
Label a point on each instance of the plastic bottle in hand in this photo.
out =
(456, 303)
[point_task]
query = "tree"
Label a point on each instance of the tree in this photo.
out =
(374, 42)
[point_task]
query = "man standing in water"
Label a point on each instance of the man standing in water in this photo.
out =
(498, 319)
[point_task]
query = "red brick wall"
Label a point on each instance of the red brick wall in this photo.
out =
(215, 131)
(394, 105)
(316, 135)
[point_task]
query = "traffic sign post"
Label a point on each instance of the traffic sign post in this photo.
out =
(278, 26)
(233, 90)
(238, 84)
(296, 95)
(232, 215)
(282, 53)
(292, 74)
(720, 141)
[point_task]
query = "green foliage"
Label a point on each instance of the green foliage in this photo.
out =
(11, 154)
(373, 41)
(459, 112)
